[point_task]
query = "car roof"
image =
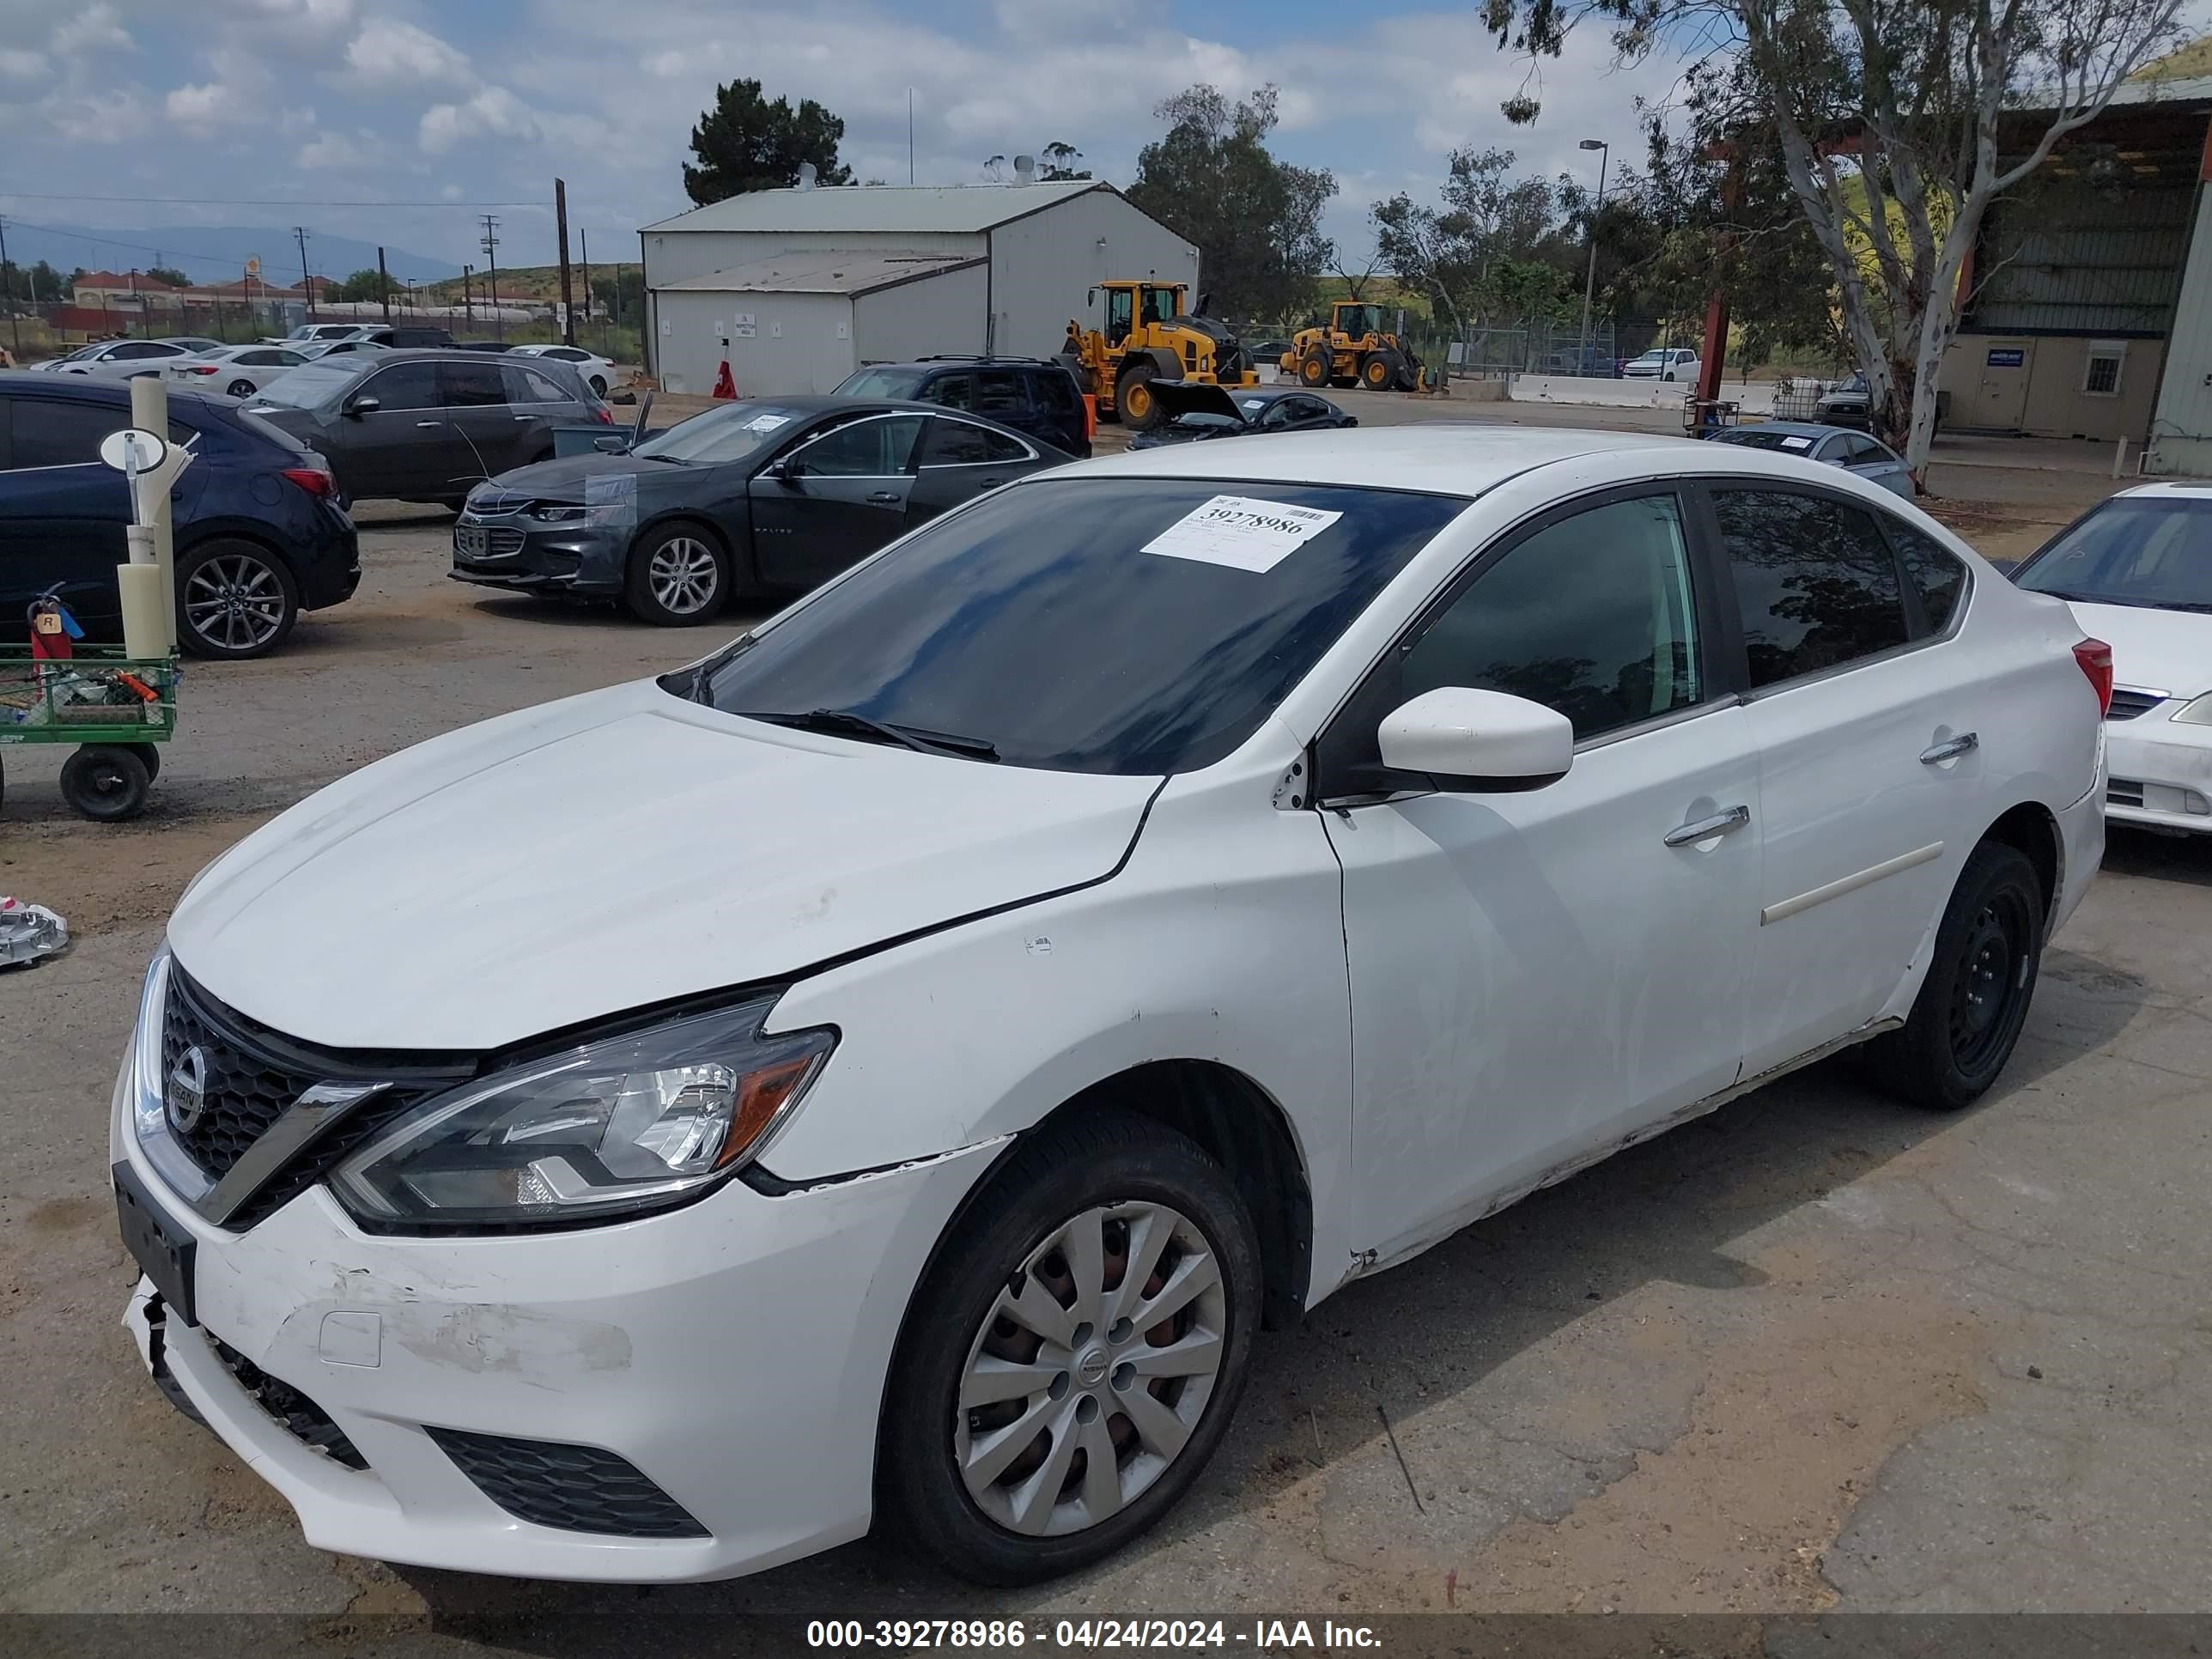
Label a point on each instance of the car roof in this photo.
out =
(1450, 458)
(1795, 428)
(2184, 489)
(963, 360)
(84, 389)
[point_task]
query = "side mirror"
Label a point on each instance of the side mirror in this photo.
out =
(1478, 742)
(361, 404)
(787, 469)
(1351, 420)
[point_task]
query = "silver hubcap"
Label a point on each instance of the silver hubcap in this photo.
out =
(234, 600)
(1092, 1369)
(683, 575)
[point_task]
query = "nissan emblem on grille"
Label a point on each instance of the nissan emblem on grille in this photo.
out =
(186, 1092)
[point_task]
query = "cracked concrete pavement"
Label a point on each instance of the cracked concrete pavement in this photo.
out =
(1814, 1353)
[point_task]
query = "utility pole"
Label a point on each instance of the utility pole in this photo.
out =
(491, 268)
(383, 286)
(909, 135)
(467, 299)
(584, 237)
(136, 305)
(300, 234)
(568, 300)
(1589, 281)
(15, 317)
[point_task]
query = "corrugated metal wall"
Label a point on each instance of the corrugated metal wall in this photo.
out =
(2181, 432)
(2112, 268)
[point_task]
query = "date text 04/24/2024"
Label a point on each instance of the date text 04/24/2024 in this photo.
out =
(1261, 1636)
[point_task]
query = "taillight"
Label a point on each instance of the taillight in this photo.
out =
(312, 479)
(2096, 660)
(605, 416)
(203, 369)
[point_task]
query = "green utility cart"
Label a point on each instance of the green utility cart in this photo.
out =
(115, 708)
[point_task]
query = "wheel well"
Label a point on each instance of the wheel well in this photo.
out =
(222, 532)
(2030, 829)
(706, 527)
(1244, 1132)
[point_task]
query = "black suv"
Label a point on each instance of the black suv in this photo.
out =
(1033, 395)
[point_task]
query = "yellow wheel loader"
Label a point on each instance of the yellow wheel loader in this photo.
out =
(1352, 348)
(1149, 337)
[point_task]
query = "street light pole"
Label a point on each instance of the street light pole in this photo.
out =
(1590, 281)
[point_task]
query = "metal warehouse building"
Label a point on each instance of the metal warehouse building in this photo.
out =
(806, 285)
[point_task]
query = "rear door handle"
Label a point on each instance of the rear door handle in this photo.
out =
(885, 497)
(1965, 744)
(525, 417)
(423, 424)
(1720, 824)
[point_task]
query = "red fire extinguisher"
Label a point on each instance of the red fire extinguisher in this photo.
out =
(53, 629)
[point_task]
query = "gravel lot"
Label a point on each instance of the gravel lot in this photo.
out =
(1815, 1352)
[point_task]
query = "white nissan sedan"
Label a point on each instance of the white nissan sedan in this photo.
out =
(894, 1064)
(2138, 568)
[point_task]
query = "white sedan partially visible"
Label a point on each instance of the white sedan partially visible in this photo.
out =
(240, 371)
(2137, 569)
(595, 371)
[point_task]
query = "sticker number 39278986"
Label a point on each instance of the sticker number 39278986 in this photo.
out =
(1242, 532)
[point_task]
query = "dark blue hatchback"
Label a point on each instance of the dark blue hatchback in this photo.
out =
(260, 532)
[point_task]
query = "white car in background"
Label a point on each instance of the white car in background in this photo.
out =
(1678, 363)
(316, 350)
(1148, 898)
(122, 360)
(2137, 569)
(239, 370)
(596, 372)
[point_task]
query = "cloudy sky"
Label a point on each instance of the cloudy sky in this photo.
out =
(441, 110)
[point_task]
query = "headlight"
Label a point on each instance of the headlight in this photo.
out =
(2198, 712)
(558, 512)
(614, 1127)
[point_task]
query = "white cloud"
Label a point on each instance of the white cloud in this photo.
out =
(302, 22)
(201, 106)
(17, 65)
(490, 112)
(338, 152)
(100, 118)
(390, 56)
(96, 27)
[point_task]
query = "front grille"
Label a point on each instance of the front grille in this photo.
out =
(2128, 705)
(255, 1074)
(247, 1088)
(2124, 792)
(572, 1488)
(308, 1423)
(504, 542)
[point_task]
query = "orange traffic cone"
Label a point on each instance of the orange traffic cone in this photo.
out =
(724, 386)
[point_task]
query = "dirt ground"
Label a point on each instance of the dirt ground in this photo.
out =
(1814, 1352)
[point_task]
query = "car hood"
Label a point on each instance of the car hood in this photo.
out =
(560, 480)
(2168, 650)
(611, 851)
(1195, 398)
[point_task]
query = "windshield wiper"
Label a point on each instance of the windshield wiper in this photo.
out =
(845, 723)
(673, 460)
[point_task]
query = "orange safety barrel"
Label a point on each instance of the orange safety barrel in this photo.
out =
(1089, 417)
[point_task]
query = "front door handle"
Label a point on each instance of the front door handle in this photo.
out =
(884, 497)
(525, 417)
(1965, 744)
(1720, 824)
(419, 425)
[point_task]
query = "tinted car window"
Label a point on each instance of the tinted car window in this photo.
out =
(960, 443)
(527, 385)
(53, 434)
(865, 449)
(402, 385)
(999, 393)
(952, 391)
(1814, 582)
(1056, 391)
(2146, 551)
(1939, 576)
(316, 383)
(728, 434)
(1034, 620)
(470, 385)
(1591, 616)
(884, 383)
(257, 359)
(140, 348)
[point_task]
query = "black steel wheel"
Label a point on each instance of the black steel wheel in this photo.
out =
(1981, 979)
(106, 783)
(149, 756)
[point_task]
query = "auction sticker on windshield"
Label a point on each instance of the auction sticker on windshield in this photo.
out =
(1241, 533)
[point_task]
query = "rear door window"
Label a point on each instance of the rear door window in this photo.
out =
(999, 395)
(1816, 585)
(948, 391)
(527, 385)
(1056, 391)
(865, 449)
(53, 433)
(470, 385)
(962, 443)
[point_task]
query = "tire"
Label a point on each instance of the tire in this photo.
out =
(1123, 1173)
(241, 388)
(1968, 1018)
(105, 782)
(599, 385)
(1313, 370)
(235, 600)
(678, 577)
(149, 756)
(1133, 396)
(1378, 371)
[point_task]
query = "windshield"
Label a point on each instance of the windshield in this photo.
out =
(2139, 551)
(312, 383)
(1202, 417)
(729, 434)
(1036, 620)
(1759, 437)
(881, 383)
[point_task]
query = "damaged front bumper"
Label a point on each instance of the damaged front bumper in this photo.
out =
(511, 551)
(688, 1395)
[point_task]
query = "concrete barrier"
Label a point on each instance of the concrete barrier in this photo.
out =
(1754, 398)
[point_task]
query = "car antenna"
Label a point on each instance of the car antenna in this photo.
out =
(637, 427)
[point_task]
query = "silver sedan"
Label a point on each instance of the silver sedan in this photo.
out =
(1854, 451)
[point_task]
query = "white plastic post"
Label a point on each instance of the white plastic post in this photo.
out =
(150, 412)
(2120, 458)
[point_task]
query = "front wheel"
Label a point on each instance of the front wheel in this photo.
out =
(1140, 410)
(1981, 978)
(106, 783)
(1313, 370)
(1074, 1357)
(678, 578)
(598, 386)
